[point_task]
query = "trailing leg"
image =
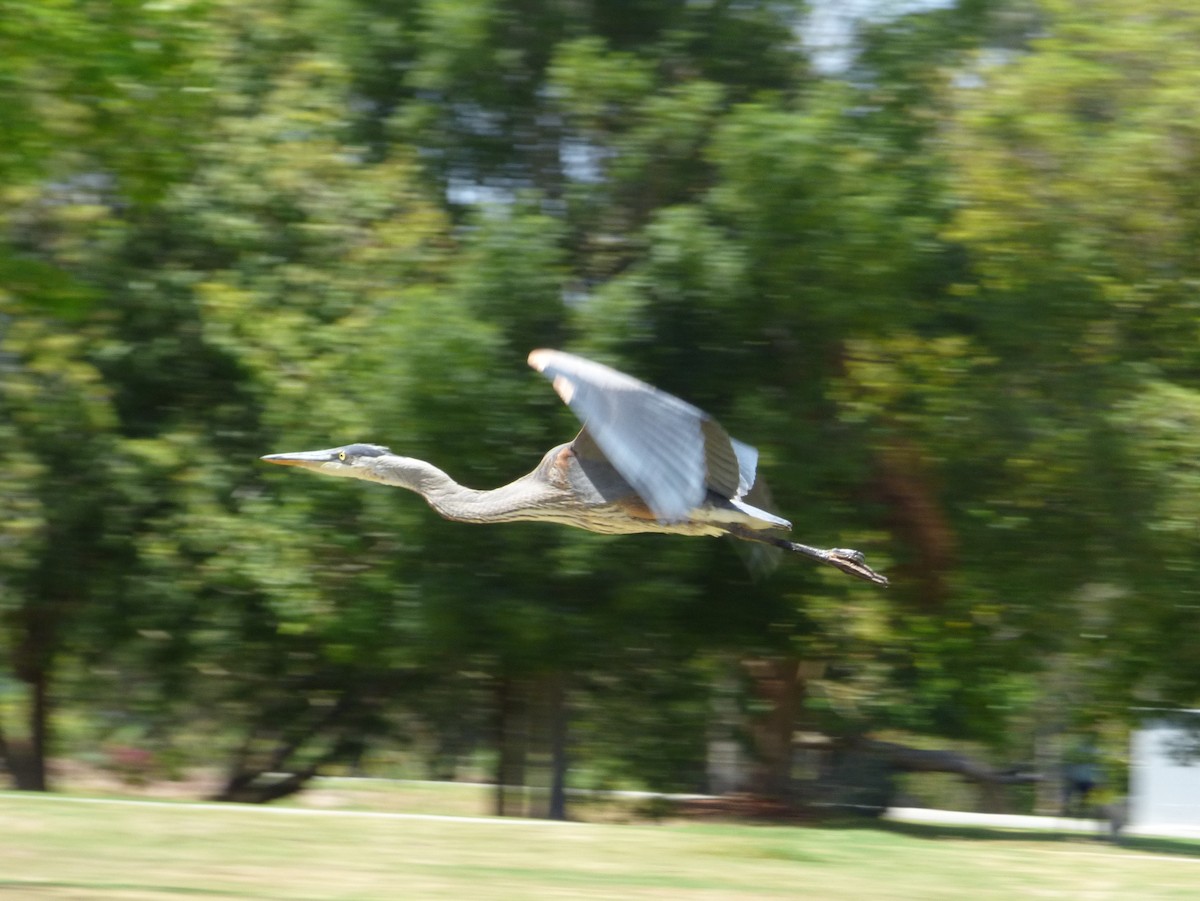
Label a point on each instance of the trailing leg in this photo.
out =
(847, 560)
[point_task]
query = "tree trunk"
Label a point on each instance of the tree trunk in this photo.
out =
(255, 788)
(26, 768)
(26, 759)
(922, 760)
(860, 772)
(917, 515)
(280, 779)
(559, 718)
(511, 740)
(258, 776)
(778, 683)
(32, 776)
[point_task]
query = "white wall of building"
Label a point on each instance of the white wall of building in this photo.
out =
(1163, 790)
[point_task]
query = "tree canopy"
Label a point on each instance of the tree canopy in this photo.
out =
(947, 288)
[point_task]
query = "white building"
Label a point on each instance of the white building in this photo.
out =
(1164, 773)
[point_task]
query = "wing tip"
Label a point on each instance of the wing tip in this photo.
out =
(539, 359)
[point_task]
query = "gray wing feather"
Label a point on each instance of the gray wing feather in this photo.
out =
(671, 452)
(747, 460)
(722, 466)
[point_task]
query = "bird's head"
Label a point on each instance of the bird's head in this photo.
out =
(354, 461)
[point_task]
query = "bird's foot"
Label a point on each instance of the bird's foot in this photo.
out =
(853, 562)
(849, 554)
(848, 560)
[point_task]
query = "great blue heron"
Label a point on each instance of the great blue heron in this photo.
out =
(645, 461)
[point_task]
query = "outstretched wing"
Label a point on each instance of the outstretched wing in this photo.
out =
(671, 452)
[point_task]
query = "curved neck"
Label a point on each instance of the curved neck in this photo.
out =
(517, 500)
(408, 472)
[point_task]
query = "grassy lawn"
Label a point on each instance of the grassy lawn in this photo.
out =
(60, 848)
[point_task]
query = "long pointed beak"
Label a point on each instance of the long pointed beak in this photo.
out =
(306, 459)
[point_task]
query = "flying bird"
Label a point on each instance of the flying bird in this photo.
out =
(645, 461)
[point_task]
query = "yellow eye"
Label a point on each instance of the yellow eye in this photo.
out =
(342, 456)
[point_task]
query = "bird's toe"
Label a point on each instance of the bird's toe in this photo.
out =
(850, 554)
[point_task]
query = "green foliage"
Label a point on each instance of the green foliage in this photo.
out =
(1072, 161)
(950, 297)
(99, 92)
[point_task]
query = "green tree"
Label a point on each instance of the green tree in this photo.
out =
(98, 117)
(1078, 170)
(307, 270)
(946, 292)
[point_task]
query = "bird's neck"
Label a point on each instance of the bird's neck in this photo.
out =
(407, 472)
(452, 500)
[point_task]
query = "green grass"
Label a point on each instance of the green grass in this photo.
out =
(70, 848)
(450, 798)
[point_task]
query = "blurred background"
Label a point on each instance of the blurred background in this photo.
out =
(939, 262)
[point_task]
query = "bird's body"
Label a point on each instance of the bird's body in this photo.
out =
(645, 461)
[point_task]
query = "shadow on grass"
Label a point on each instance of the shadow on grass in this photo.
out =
(1178, 847)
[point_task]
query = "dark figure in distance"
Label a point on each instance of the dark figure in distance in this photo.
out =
(1081, 777)
(645, 461)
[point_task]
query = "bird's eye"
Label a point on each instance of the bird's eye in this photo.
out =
(342, 456)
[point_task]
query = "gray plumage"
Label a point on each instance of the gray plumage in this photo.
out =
(645, 461)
